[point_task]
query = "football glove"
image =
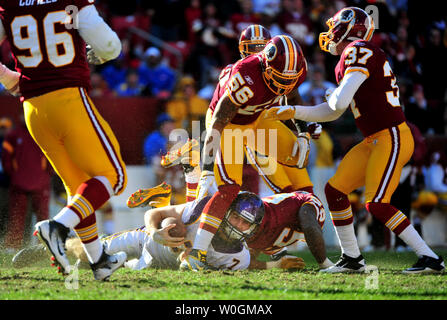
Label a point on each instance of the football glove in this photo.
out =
(302, 148)
(92, 58)
(280, 113)
(205, 183)
(195, 261)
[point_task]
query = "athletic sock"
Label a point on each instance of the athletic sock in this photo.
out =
(412, 238)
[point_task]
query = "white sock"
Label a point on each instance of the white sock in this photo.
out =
(412, 238)
(193, 176)
(67, 217)
(203, 240)
(348, 240)
(93, 250)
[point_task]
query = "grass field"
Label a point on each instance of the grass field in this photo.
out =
(42, 282)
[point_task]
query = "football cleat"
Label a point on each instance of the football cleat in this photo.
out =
(29, 255)
(159, 196)
(426, 264)
(347, 264)
(107, 264)
(53, 235)
(195, 261)
(187, 155)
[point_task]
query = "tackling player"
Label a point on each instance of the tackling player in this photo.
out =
(49, 47)
(267, 225)
(368, 86)
(243, 93)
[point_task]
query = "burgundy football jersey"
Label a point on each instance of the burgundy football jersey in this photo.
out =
(279, 228)
(244, 84)
(376, 103)
(49, 54)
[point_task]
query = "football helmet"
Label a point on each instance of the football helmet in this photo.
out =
(283, 64)
(349, 23)
(249, 207)
(253, 39)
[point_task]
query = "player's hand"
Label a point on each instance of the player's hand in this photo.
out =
(162, 237)
(205, 182)
(314, 129)
(302, 148)
(195, 261)
(10, 80)
(280, 113)
(292, 262)
(287, 262)
(92, 58)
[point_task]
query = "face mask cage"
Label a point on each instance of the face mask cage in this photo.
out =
(249, 47)
(232, 233)
(280, 83)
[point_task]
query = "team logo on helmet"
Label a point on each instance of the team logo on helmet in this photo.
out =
(283, 64)
(350, 24)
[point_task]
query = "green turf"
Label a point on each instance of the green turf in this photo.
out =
(41, 282)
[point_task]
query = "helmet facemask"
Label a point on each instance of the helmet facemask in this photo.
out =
(249, 47)
(281, 83)
(232, 233)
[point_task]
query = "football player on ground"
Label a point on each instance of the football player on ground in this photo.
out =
(368, 86)
(251, 85)
(280, 220)
(48, 41)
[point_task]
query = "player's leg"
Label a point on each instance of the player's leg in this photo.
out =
(349, 176)
(391, 150)
(228, 175)
(85, 154)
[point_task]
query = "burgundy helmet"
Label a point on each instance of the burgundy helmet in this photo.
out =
(283, 64)
(350, 24)
(249, 207)
(253, 39)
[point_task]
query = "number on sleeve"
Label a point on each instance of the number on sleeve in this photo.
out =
(391, 96)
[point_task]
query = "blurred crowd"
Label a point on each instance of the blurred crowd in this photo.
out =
(174, 50)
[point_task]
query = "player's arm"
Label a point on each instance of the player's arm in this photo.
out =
(8, 78)
(312, 233)
(337, 102)
(104, 42)
(224, 112)
(153, 219)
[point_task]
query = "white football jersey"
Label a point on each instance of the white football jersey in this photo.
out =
(144, 252)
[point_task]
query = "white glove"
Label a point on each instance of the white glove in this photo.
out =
(205, 183)
(302, 145)
(92, 58)
(10, 80)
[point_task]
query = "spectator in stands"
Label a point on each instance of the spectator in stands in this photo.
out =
(207, 91)
(434, 63)
(241, 20)
(416, 109)
(5, 127)
(268, 19)
(156, 143)
(295, 21)
(100, 88)
(115, 73)
(30, 173)
(157, 76)
(312, 91)
(132, 87)
(186, 106)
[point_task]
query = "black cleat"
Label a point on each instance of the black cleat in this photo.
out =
(347, 264)
(107, 264)
(426, 264)
(53, 235)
